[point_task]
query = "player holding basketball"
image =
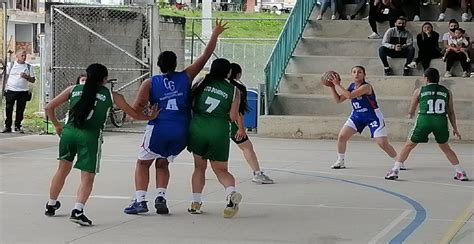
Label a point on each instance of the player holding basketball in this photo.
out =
(166, 136)
(365, 112)
(436, 101)
(82, 135)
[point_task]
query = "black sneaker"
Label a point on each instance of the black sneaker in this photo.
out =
(78, 217)
(19, 130)
(51, 209)
(7, 130)
(406, 71)
(160, 205)
(387, 71)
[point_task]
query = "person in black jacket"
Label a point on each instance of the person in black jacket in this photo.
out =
(428, 46)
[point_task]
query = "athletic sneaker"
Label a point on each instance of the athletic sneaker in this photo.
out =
(464, 17)
(232, 207)
(19, 130)
(261, 178)
(7, 130)
(136, 208)
(374, 36)
(416, 18)
(160, 205)
(51, 209)
(339, 164)
(392, 175)
(78, 217)
(448, 74)
(402, 167)
(195, 208)
(441, 17)
(461, 176)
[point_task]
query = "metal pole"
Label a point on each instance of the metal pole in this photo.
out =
(192, 43)
(4, 58)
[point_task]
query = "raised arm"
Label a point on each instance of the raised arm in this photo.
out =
(452, 116)
(56, 102)
(135, 113)
(413, 104)
(197, 66)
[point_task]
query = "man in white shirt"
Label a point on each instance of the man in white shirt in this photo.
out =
(16, 90)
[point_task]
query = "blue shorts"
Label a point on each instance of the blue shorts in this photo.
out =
(375, 123)
(166, 140)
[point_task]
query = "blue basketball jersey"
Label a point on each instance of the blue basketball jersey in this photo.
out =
(365, 105)
(172, 94)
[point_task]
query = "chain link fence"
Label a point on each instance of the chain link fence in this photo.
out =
(118, 37)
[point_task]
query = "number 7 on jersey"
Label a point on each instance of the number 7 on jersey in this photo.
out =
(213, 104)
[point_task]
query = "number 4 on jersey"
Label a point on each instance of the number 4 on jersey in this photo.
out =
(172, 105)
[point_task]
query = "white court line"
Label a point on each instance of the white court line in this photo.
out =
(364, 176)
(389, 227)
(27, 151)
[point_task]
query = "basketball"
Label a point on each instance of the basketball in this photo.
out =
(326, 78)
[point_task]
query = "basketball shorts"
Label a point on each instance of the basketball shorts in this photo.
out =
(375, 122)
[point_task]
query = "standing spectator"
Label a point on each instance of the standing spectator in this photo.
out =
(428, 47)
(398, 43)
(16, 90)
(324, 6)
(380, 11)
(444, 4)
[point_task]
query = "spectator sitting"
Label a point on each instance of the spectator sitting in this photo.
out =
(444, 4)
(380, 11)
(398, 43)
(457, 50)
(428, 47)
(324, 6)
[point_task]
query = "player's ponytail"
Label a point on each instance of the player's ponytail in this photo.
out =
(220, 69)
(96, 75)
(235, 71)
(432, 76)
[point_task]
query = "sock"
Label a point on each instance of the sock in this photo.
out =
(395, 159)
(229, 190)
(257, 172)
(161, 192)
(52, 202)
(79, 206)
(458, 168)
(341, 156)
(140, 196)
(397, 166)
(197, 197)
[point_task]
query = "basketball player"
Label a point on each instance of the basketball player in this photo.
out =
(436, 101)
(365, 112)
(167, 135)
(238, 134)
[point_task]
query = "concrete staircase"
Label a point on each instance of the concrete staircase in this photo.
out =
(304, 108)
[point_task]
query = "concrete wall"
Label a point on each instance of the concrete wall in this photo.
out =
(1, 35)
(173, 36)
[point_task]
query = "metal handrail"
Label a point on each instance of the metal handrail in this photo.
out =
(286, 44)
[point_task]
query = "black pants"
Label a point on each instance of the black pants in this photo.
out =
(408, 53)
(20, 97)
(375, 16)
(452, 57)
(425, 57)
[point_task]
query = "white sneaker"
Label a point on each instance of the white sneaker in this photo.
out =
(441, 17)
(468, 60)
(465, 74)
(339, 164)
(448, 74)
(464, 17)
(374, 36)
(366, 18)
(416, 18)
(262, 178)
(333, 17)
(411, 65)
(403, 167)
(319, 17)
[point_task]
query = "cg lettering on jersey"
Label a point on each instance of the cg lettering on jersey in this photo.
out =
(169, 84)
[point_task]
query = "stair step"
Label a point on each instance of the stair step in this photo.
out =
(360, 29)
(383, 85)
(327, 127)
(343, 64)
(324, 105)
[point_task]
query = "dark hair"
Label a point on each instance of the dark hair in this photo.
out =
(96, 74)
(79, 78)
(359, 67)
(235, 70)
(422, 33)
(402, 18)
(219, 71)
(432, 75)
(453, 21)
(461, 30)
(167, 61)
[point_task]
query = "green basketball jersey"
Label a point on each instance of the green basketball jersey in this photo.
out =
(98, 116)
(215, 100)
(431, 104)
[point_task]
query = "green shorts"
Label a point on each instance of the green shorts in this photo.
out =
(85, 143)
(427, 124)
(209, 138)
